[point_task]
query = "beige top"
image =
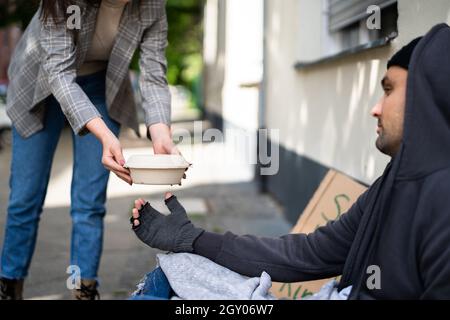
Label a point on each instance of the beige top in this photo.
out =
(106, 29)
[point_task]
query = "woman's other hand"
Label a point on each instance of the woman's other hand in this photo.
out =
(162, 139)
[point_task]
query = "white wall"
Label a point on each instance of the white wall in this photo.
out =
(233, 71)
(323, 112)
(214, 54)
(233, 55)
(243, 63)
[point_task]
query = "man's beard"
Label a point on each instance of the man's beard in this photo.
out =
(380, 144)
(384, 146)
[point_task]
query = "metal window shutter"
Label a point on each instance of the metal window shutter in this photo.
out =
(343, 13)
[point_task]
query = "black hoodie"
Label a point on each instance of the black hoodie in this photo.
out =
(401, 224)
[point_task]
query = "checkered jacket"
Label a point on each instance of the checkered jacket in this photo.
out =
(48, 55)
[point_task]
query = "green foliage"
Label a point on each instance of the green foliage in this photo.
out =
(17, 11)
(184, 53)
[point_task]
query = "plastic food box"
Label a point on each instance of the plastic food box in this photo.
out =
(161, 169)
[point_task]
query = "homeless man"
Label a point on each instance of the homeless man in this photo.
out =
(400, 224)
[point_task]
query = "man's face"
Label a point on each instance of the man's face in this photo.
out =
(390, 111)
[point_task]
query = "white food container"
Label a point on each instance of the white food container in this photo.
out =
(160, 169)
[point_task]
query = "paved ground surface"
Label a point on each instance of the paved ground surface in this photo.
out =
(219, 194)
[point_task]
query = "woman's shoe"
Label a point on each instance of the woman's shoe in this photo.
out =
(11, 289)
(88, 291)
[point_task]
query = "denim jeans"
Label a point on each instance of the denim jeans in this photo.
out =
(154, 286)
(30, 170)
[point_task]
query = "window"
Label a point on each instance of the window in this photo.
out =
(347, 23)
(344, 28)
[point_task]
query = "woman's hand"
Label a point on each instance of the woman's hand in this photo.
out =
(162, 139)
(112, 158)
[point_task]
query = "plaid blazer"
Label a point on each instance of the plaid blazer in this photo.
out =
(48, 55)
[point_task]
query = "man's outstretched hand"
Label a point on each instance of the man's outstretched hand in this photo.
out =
(173, 232)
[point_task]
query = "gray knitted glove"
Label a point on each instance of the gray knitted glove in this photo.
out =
(173, 232)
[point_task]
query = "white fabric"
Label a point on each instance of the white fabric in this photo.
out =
(193, 277)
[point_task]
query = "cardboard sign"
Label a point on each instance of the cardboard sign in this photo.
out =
(334, 197)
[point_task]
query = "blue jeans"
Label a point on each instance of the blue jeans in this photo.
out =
(154, 286)
(30, 170)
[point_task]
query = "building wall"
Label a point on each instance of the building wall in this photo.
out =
(233, 60)
(243, 63)
(233, 47)
(214, 59)
(323, 112)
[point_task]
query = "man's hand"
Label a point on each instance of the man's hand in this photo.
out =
(173, 232)
(162, 139)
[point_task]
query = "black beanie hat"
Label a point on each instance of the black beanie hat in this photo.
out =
(403, 56)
